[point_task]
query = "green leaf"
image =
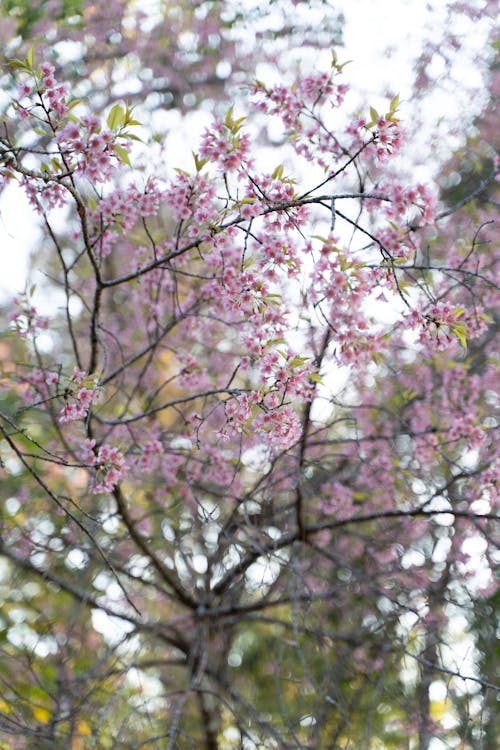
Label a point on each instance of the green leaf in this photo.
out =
(228, 121)
(116, 117)
(487, 318)
(248, 262)
(15, 63)
(299, 361)
(199, 163)
(128, 117)
(460, 332)
(122, 153)
(30, 57)
(278, 172)
(130, 136)
(74, 102)
(335, 63)
(233, 125)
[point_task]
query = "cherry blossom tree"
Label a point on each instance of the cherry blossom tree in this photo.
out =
(250, 458)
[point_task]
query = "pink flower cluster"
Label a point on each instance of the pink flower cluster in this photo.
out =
(46, 86)
(27, 320)
(238, 412)
(245, 291)
(88, 149)
(109, 464)
(78, 398)
(267, 189)
(55, 93)
(341, 287)
(192, 374)
(228, 149)
(119, 211)
(404, 200)
(434, 325)
(43, 196)
(464, 427)
(442, 325)
(491, 480)
(319, 86)
(281, 428)
(388, 138)
(147, 462)
(287, 374)
(279, 100)
(191, 198)
(337, 499)
(290, 103)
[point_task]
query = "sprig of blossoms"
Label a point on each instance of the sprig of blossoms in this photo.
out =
(442, 325)
(225, 145)
(89, 149)
(26, 318)
(78, 397)
(108, 463)
(44, 90)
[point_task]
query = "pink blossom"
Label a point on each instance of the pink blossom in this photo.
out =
(108, 463)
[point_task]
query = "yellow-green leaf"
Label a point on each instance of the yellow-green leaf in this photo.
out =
(199, 162)
(394, 103)
(228, 121)
(122, 153)
(15, 63)
(460, 332)
(116, 117)
(278, 172)
(30, 57)
(298, 361)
